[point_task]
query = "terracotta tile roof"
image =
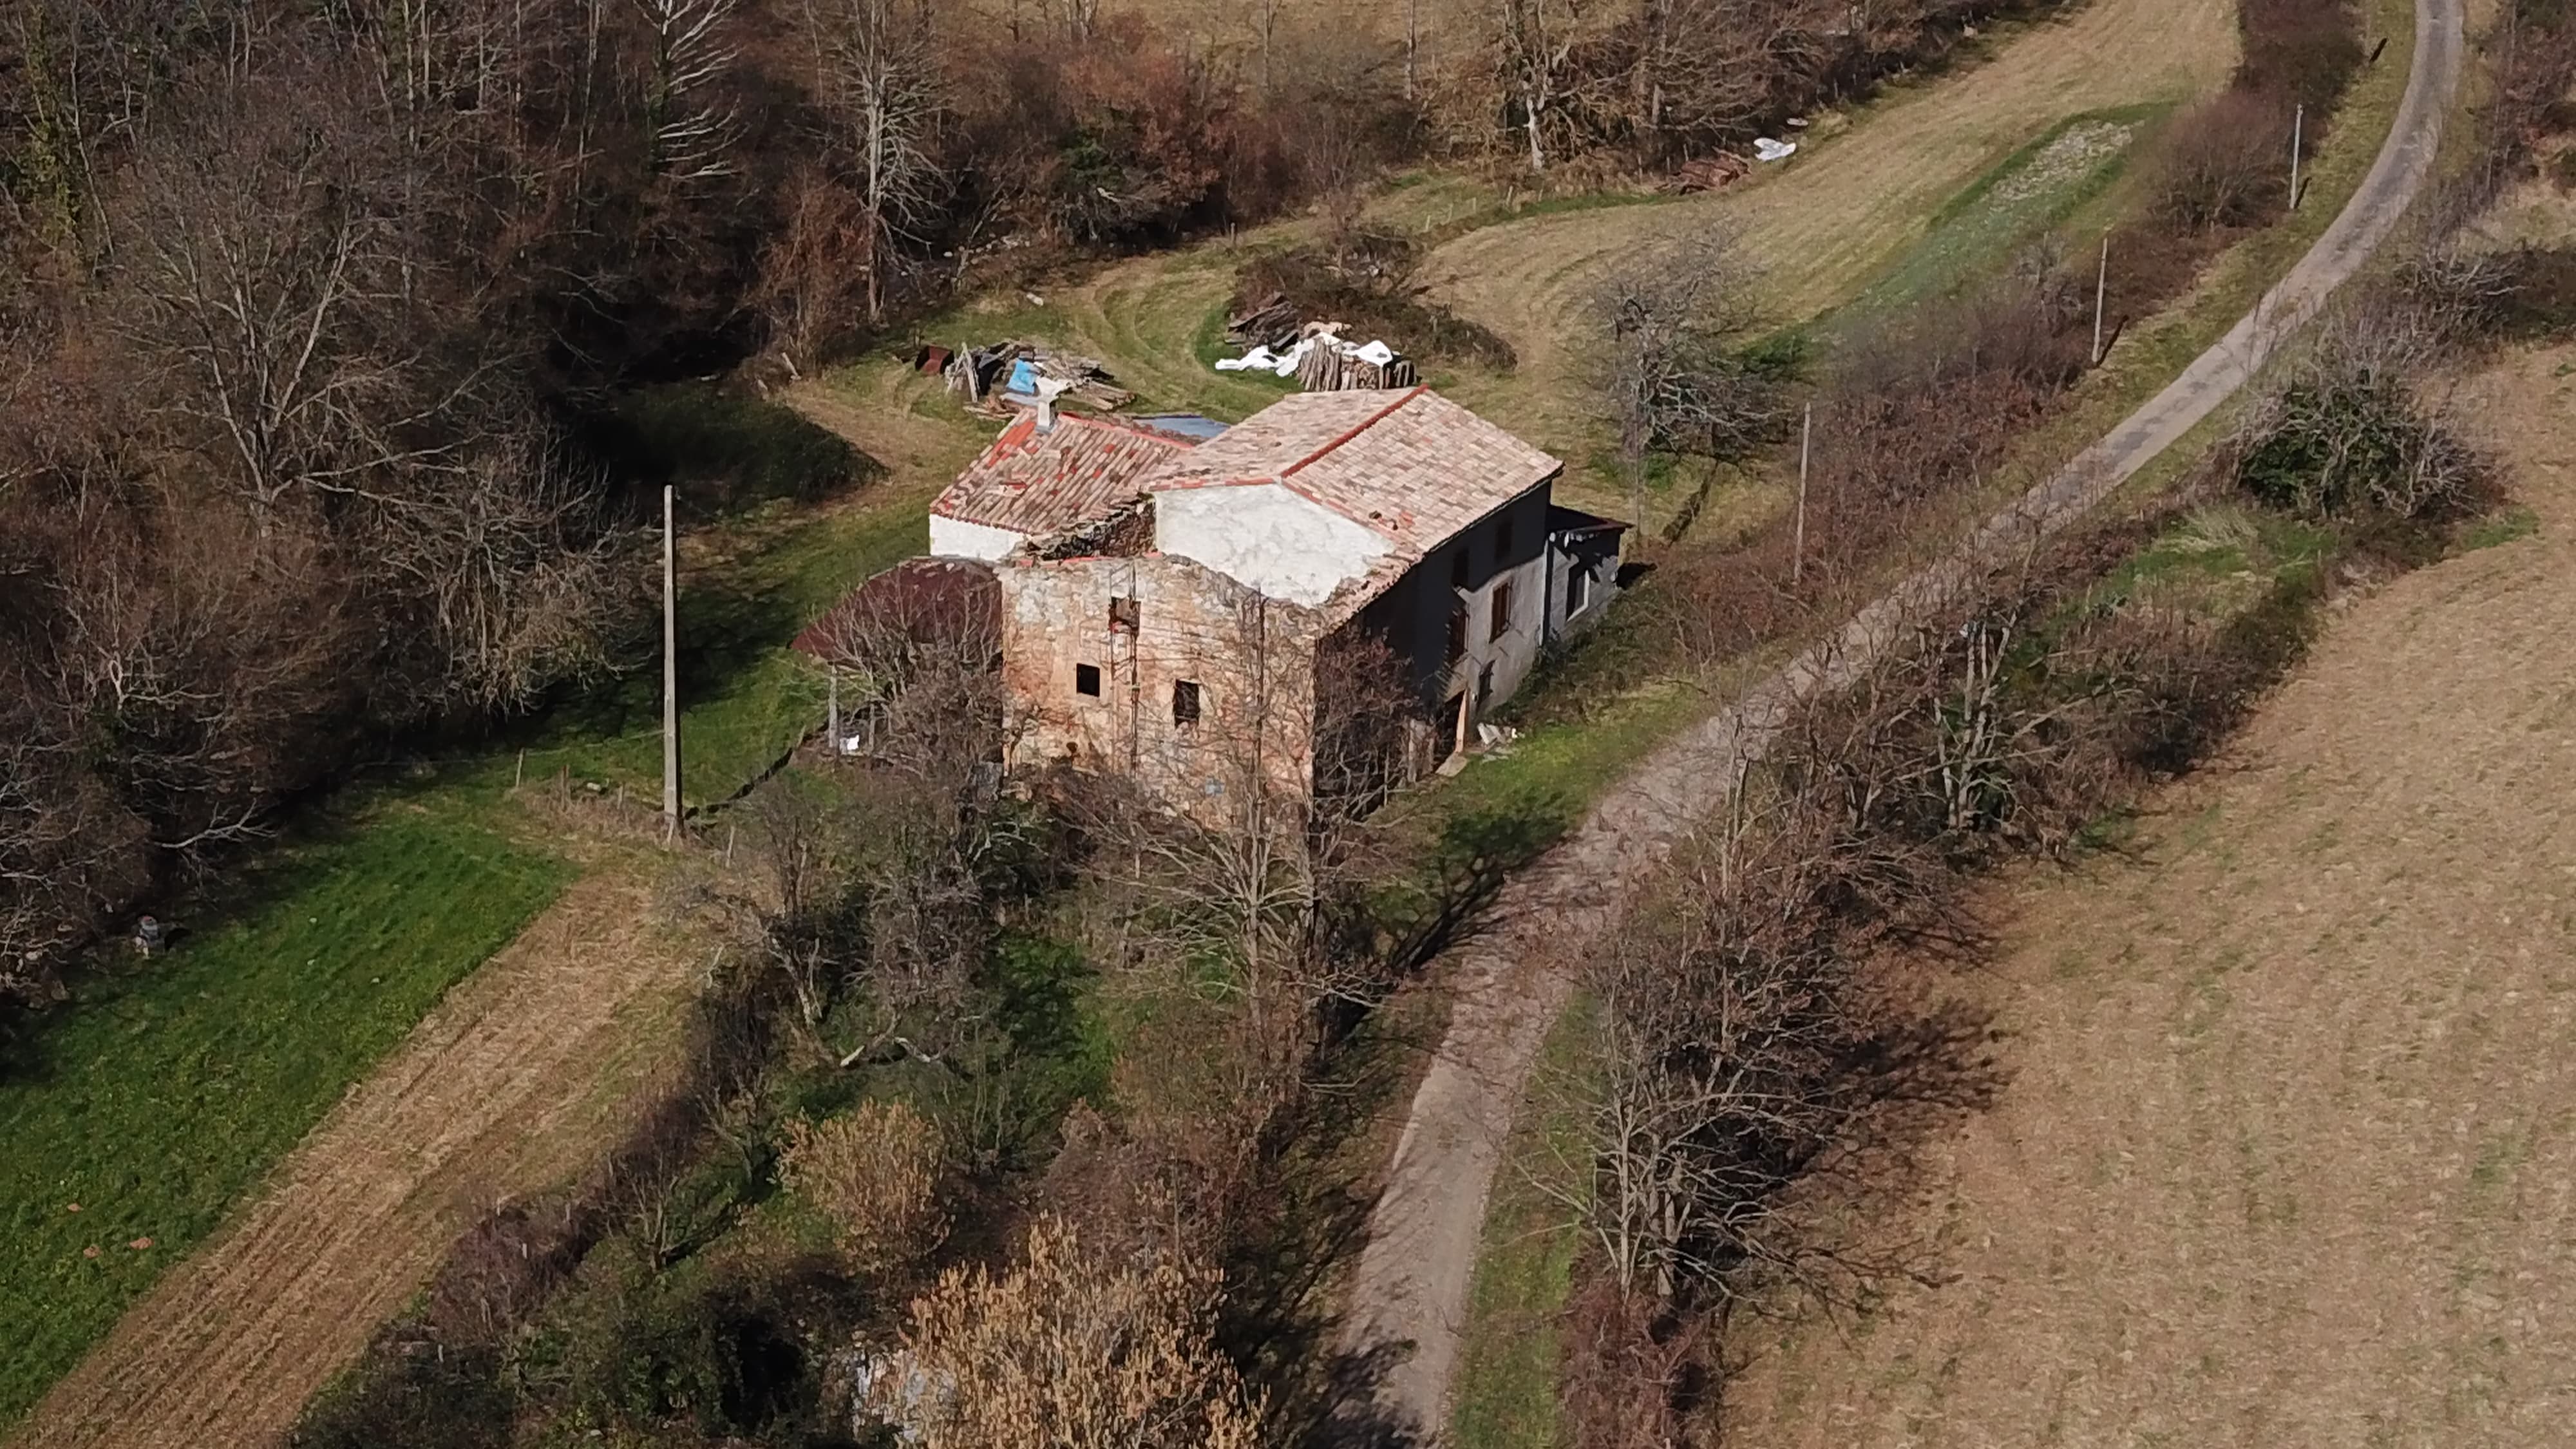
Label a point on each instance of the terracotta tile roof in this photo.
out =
(1045, 483)
(1410, 465)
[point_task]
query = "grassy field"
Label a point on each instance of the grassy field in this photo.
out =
(2283, 1153)
(161, 1097)
(1863, 195)
(1505, 1393)
(163, 1093)
(746, 699)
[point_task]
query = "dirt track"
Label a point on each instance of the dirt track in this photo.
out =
(1408, 1298)
(509, 1086)
(2287, 1154)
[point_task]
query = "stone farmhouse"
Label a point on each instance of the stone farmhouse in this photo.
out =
(1169, 588)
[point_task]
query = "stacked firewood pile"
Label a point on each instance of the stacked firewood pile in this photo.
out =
(1333, 365)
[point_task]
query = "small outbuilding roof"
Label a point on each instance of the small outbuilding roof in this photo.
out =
(1409, 465)
(1044, 483)
(920, 602)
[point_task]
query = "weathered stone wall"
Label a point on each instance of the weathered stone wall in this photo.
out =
(1251, 660)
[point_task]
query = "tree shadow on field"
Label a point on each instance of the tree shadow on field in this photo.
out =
(1282, 1280)
(1358, 1416)
(1441, 903)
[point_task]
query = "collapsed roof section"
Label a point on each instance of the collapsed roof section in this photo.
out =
(1049, 474)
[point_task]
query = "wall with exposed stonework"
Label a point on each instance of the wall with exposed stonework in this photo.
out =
(1252, 659)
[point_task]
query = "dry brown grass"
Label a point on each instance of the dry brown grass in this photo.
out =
(2286, 1153)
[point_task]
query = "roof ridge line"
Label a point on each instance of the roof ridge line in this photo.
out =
(1372, 420)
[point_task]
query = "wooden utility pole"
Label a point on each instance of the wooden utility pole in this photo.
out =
(670, 674)
(2298, 127)
(1798, 536)
(2101, 284)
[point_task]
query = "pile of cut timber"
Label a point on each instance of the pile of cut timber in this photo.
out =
(990, 377)
(1709, 173)
(1332, 365)
(1271, 323)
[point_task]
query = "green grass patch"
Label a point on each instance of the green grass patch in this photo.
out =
(2012, 205)
(1542, 783)
(724, 450)
(1505, 1395)
(2514, 522)
(746, 698)
(166, 1091)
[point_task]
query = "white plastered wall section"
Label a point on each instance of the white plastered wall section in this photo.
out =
(1266, 536)
(957, 538)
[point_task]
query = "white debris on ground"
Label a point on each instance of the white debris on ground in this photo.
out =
(1321, 361)
(1766, 149)
(1262, 359)
(2077, 150)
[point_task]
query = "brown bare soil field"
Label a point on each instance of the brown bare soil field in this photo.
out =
(1846, 206)
(2288, 1155)
(516, 1082)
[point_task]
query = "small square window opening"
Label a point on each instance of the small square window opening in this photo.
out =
(1185, 701)
(1086, 679)
(1123, 614)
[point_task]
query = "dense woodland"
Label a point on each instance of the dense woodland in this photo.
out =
(304, 305)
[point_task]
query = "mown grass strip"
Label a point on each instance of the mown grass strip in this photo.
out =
(1505, 1396)
(168, 1090)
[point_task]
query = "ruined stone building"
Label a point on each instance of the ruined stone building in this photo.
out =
(1170, 590)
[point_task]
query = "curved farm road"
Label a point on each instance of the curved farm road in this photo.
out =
(1409, 1295)
(505, 1089)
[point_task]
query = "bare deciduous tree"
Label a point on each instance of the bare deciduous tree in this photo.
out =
(1675, 315)
(876, 74)
(690, 125)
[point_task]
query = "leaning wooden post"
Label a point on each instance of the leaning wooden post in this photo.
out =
(832, 711)
(670, 674)
(2298, 127)
(1798, 536)
(2101, 285)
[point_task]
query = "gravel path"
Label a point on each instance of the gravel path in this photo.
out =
(1409, 1296)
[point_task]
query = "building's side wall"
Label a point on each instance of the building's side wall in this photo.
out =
(1266, 536)
(1508, 548)
(957, 538)
(1594, 555)
(1252, 660)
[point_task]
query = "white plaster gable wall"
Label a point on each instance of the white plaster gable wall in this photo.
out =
(957, 538)
(1267, 536)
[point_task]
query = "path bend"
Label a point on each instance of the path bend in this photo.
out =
(1408, 1298)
